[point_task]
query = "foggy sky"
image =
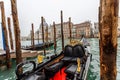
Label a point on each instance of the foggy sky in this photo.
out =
(30, 11)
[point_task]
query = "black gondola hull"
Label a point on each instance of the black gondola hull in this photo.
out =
(61, 65)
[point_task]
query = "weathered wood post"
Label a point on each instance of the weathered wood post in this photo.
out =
(32, 35)
(46, 35)
(108, 38)
(16, 31)
(55, 45)
(10, 33)
(62, 30)
(70, 28)
(46, 31)
(42, 25)
(38, 36)
(5, 35)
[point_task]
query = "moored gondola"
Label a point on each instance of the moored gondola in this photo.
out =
(71, 64)
(39, 46)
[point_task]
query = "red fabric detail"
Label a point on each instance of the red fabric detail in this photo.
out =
(60, 75)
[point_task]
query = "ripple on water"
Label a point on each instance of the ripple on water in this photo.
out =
(94, 71)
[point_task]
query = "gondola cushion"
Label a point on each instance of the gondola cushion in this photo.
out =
(68, 51)
(78, 51)
(66, 58)
(71, 72)
(52, 69)
(71, 69)
(71, 53)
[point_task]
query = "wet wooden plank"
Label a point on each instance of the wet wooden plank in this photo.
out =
(25, 54)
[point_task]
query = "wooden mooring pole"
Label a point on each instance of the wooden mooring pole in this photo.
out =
(46, 31)
(108, 17)
(5, 35)
(42, 25)
(32, 36)
(55, 45)
(16, 31)
(10, 33)
(70, 28)
(38, 36)
(62, 30)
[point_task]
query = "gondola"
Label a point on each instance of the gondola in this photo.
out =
(39, 46)
(71, 64)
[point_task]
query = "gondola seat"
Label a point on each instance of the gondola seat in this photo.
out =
(79, 52)
(71, 71)
(52, 69)
(71, 53)
(68, 52)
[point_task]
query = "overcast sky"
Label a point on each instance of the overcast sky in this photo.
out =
(30, 11)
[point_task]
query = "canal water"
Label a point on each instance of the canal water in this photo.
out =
(94, 71)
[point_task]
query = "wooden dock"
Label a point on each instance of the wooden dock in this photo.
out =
(25, 53)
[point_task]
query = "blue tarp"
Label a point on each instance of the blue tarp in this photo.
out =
(3, 38)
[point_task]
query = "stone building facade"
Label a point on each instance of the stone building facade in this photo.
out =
(96, 29)
(83, 29)
(58, 30)
(119, 27)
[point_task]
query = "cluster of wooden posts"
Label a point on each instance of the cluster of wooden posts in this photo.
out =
(17, 33)
(108, 22)
(42, 25)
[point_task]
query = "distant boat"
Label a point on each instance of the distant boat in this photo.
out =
(39, 46)
(71, 64)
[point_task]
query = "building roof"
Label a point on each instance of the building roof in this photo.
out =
(86, 22)
(60, 23)
(83, 24)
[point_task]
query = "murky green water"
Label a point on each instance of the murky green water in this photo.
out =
(94, 72)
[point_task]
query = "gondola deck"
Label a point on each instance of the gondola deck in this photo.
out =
(61, 67)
